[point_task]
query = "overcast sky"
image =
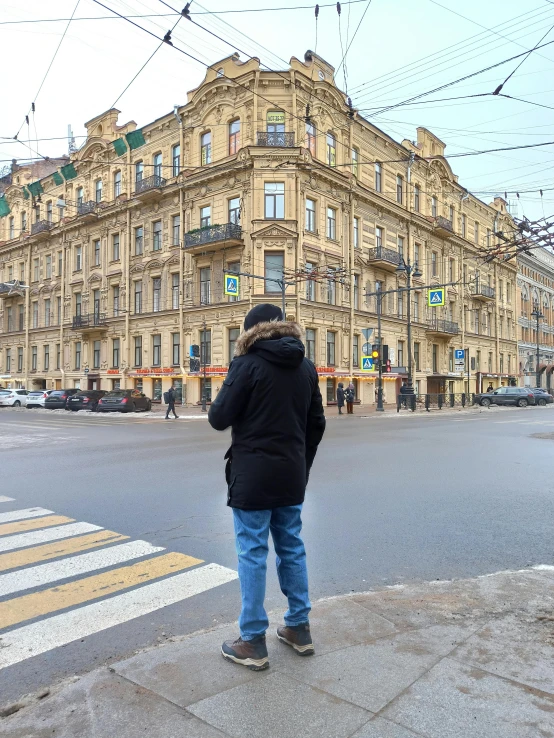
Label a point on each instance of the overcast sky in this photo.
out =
(403, 48)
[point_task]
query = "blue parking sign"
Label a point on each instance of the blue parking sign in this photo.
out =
(459, 354)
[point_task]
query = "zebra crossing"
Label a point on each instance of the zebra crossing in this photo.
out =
(62, 580)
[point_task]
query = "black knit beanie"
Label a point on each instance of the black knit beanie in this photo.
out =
(262, 314)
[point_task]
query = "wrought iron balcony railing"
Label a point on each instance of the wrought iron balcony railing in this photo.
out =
(381, 254)
(282, 139)
(212, 234)
(153, 182)
(443, 326)
(86, 208)
(41, 226)
(89, 320)
(483, 290)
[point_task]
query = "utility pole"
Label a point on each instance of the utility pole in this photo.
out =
(408, 269)
(537, 314)
(380, 407)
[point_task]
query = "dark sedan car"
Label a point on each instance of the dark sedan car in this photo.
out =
(542, 396)
(58, 398)
(519, 396)
(124, 401)
(85, 400)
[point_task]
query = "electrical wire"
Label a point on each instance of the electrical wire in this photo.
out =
(499, 88)
(460, 79)
(343, 60)
(50, 65)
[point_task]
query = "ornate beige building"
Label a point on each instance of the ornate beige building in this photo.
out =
(122, 251)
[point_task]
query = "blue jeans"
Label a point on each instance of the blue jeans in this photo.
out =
(251, 535)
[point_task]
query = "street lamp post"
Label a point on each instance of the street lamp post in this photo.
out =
(537, 314)
(409, 270)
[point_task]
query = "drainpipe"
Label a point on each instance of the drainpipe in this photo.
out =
(299, 250)
(62, 297)
(462, 291)
(127, 252)
(179, 120)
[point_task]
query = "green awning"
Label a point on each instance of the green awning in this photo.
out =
(69, 171)
(4, 207)
(25, 193)
(135, 139)
(57, 177)
(35, 188)
(119, 146)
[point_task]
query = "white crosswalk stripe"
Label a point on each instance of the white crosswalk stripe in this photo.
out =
(58, 630)
(21, 540)
(37, 576)
(67, 582)
(29, 512)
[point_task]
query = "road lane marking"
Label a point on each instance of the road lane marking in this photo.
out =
(48, 601)
(47, 551)
(43, 536)
(38, 576)
(30, 512)
(3, 498)
(33, 524)
(36, 638)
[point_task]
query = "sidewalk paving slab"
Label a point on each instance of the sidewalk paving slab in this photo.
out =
(447, 659)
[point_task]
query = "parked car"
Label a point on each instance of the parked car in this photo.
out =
(85, 400)
(57, 399)
(519, 396)
(542, 396)
(124, 401)
(13, 398)
(37, 398)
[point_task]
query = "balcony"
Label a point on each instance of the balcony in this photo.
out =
(150, 187)
(228, 234)
(87, 210)
(12, 288)
(442, 327)
(89, 323)
(483, 292)
(382, 258)
(442, 227)
(280, 139)
(41, 228)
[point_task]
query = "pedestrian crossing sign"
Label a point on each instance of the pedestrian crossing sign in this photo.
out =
(367, 364)
(435, 298)
(232, 285)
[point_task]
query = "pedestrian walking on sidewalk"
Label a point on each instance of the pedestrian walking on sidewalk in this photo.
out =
(350, 396)
(340, 397)
(170, 399)
(272, 402)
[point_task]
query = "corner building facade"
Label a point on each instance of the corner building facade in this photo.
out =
(261, 173)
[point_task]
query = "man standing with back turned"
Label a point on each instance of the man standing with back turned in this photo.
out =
(271, 399)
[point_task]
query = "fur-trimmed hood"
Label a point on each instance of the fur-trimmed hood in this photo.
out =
(267, 332)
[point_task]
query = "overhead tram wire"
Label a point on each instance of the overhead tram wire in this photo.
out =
(49, 66)
(429, 68)
(499, 88)
(454, 82)
(152, 55)
(384, 89)
(447, 51)
(353, 37)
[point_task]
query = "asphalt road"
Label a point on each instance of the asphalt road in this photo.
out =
(390, 499)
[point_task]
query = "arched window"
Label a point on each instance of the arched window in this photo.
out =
(310, 138)
(117, 184)
(79, 195)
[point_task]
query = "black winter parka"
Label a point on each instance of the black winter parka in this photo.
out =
(271, 399)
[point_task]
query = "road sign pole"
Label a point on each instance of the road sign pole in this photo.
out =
(380, 407)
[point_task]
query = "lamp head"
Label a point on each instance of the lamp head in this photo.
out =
(417, 273)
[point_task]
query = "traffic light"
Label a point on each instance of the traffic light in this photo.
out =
(194, 351)
(375, 352)
(195, 365)
(388, 367)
